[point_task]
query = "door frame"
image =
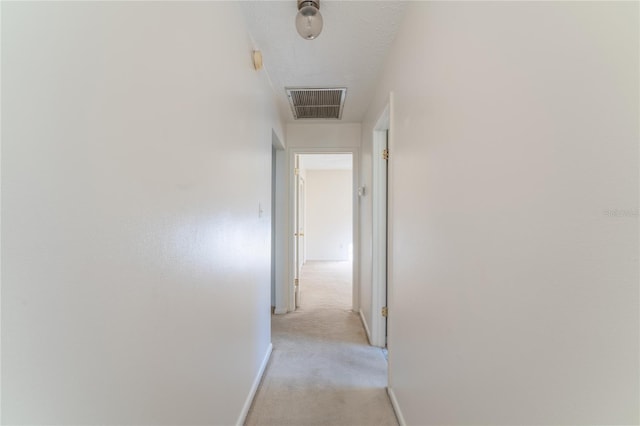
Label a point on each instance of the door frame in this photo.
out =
(355, 171)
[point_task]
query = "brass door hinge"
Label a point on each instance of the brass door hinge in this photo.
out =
(296, 171)
(295, 282)
(385, 311)
(385, 154)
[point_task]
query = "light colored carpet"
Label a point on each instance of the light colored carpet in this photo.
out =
(322, 370)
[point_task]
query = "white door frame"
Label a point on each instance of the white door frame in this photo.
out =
(379, 195)
(355, 155)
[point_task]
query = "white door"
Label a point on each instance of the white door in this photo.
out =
(302, 218)
(299, 255)
(380, 207)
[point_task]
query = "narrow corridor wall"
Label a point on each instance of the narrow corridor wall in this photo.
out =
(136, 144)
(514, 185)
(323, 135)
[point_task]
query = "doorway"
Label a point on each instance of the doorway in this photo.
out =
(323, 216)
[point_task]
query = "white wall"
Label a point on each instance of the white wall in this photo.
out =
(514, 156)
(323, 135)
(278, 219)
(280, 298)
(136, 146)
(329, 200)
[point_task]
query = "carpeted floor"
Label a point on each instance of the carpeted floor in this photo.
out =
(322, 370)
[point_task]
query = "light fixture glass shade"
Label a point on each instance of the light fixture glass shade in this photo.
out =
(309, 22)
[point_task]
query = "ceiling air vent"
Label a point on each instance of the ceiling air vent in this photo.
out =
(316, 103)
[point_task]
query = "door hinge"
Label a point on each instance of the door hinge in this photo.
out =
(385, 154)
(296, 171)
(385, 311)
(295, 282)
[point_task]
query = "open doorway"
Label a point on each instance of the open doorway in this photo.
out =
(323, 221)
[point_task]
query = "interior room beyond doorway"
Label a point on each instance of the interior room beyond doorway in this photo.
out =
(323, 213)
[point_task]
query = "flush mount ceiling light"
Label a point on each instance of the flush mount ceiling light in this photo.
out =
(309, 19)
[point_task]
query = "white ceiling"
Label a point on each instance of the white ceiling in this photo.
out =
(326, 161)
(349, 52)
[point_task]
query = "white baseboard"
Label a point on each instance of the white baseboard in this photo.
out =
(278, 311)
(396, 407)
(366, 327)
(254, 387)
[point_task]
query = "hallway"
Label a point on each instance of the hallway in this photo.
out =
(322, 370)
(147, 227)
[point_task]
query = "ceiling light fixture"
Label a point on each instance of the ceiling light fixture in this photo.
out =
(309, 19)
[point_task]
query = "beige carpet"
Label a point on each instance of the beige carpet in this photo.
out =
(322, 370)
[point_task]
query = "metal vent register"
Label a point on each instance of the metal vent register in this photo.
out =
(316, 103)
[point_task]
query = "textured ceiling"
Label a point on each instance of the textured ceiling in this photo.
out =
(349, 52)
